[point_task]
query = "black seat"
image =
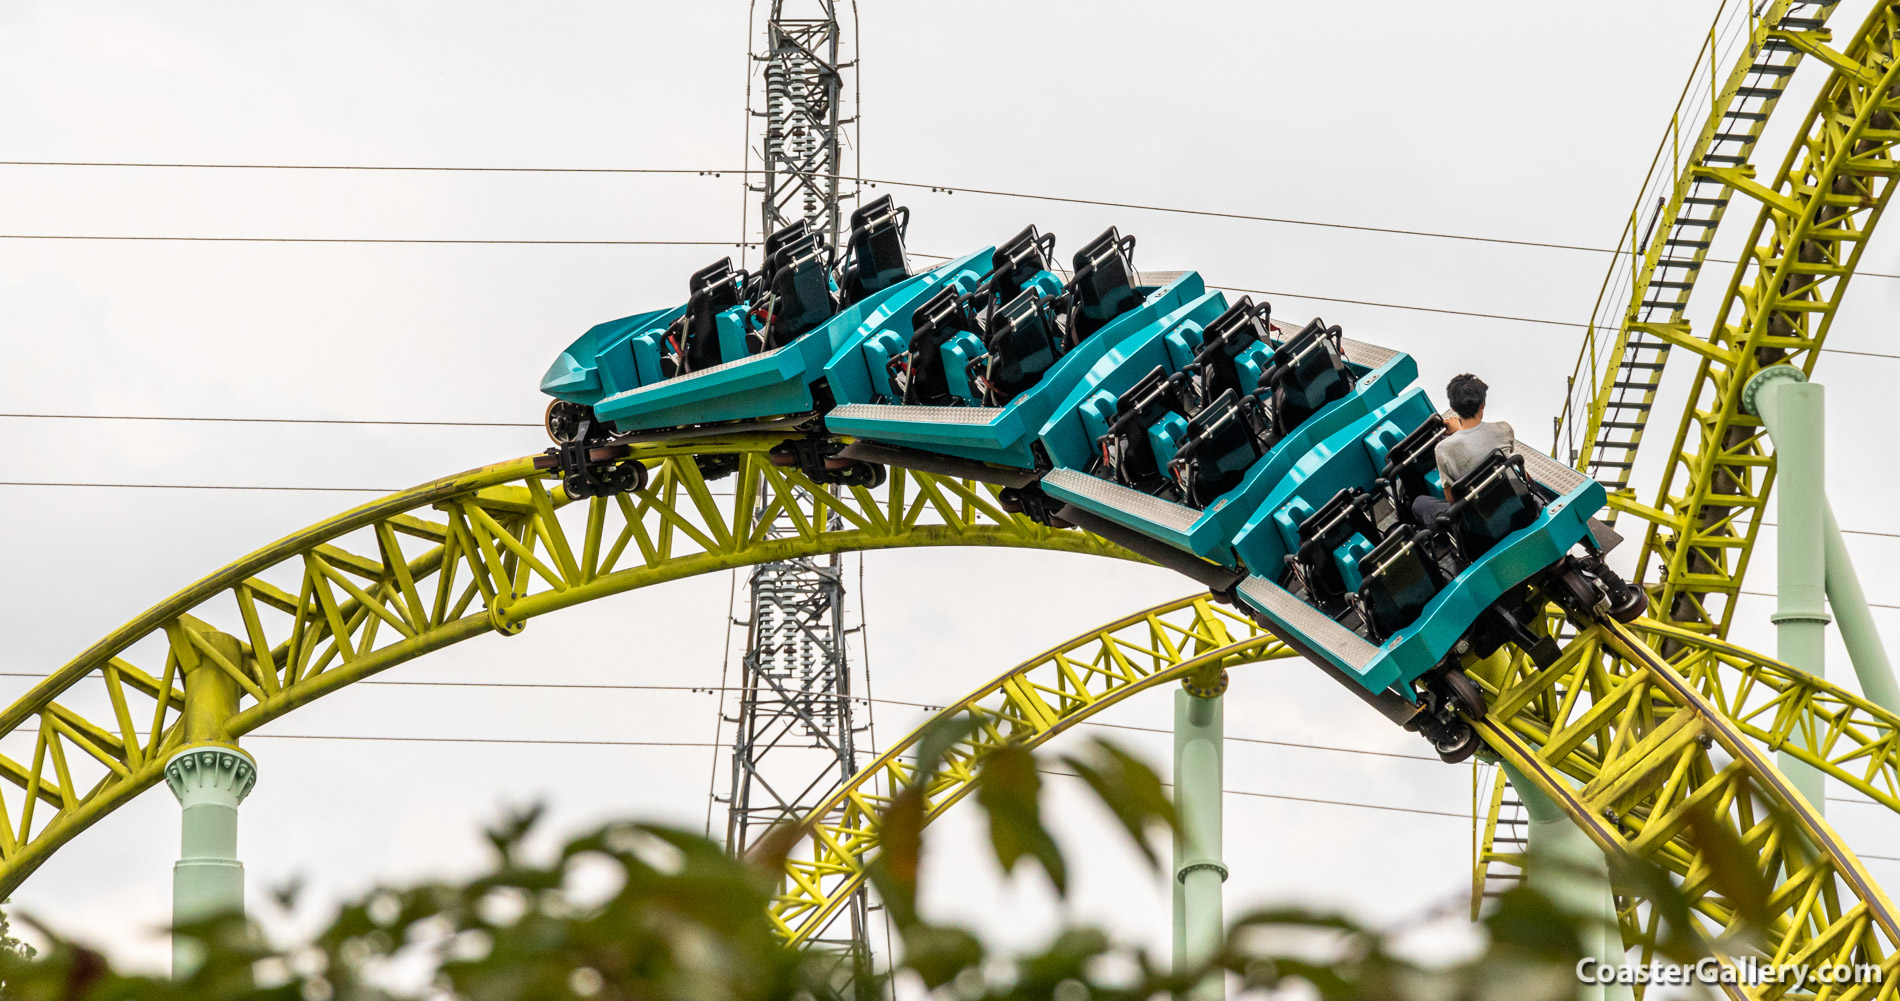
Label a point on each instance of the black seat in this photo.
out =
(1399, 578)
(694, 337)
(1307, 373)
(1409, 463)
(874, 256)
(1345, 514)
(781, 239)
(1495, 499)
(920, 368)
(1023, 342)
(1223, 441)
(1127, 454)
(1213, 370)
(1015, 264)
(797, 280)
(1103, 284)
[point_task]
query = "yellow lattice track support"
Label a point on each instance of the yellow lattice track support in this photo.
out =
(1777, 706)
(1816, 217)
(1632, 745)
(1665, 241)
(1031, 703)
(416, 571)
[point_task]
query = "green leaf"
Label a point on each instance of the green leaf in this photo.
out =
(507, 836)
(1131, 790)
(939, 736)
(1010, 790)
(1529, 920)
(1733, 869)
(894, 871)
(938, 954)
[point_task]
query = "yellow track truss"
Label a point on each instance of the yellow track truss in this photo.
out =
(1639, 312)
(1628, 743)
(1630, 736)
(1634, 748)
(1029, 704)
(1777, 706)
(1814, 223)
(419, 570)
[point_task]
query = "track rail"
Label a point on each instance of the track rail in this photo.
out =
(1633, 747)
(1815, 219)
(1029, 704)
(411, 573)
(1627, 742)
(1778, 707)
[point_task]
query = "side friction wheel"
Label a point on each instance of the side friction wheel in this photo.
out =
(1465, 693)
(566, 421)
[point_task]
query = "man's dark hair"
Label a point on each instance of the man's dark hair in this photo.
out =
(1466, 393)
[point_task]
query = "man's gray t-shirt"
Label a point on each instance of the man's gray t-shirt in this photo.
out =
(1461, 451)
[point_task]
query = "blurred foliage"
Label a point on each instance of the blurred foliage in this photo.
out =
(642, 911)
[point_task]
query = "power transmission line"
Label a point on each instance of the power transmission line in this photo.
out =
(369, 239)
(1773, 595)
(391, 490)
(372, 167)
(705, 689)
(947, 189)
(198, 486)
(271, 420)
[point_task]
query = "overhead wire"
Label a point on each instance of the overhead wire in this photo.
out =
(370, 239)
(947, 189)
(269, 420)
(705, 689)
(1512, 317)
(391, 490)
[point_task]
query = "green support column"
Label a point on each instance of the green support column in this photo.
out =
(210, 776)
(1793, 409)
(1856, 622)
(1199, 924)
(1574, 874)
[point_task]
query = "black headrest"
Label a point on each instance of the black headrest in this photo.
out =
(785, 235)
(710, 275)
(1025, 313)
(1017, 261)
(1144, 402)
(878, 212)
(1241, 327)
(1340, 511)
(1416, 452)
(1316, 346)
(944, 310)
(1495, 498)
(1104, 281)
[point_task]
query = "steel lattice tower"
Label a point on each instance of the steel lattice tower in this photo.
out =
(802, 104)
(795, 728)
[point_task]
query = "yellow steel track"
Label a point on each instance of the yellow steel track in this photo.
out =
(1634, 749)
(1029, 704)
(1813, 222)
(1640, 309)
(1816, 216)
(414, 572)
(1628, 743)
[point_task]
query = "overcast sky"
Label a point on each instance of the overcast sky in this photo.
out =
(1530, 121)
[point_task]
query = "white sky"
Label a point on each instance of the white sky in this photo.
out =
(1510, 119)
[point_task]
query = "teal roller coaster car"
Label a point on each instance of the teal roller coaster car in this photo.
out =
(1281, 466)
